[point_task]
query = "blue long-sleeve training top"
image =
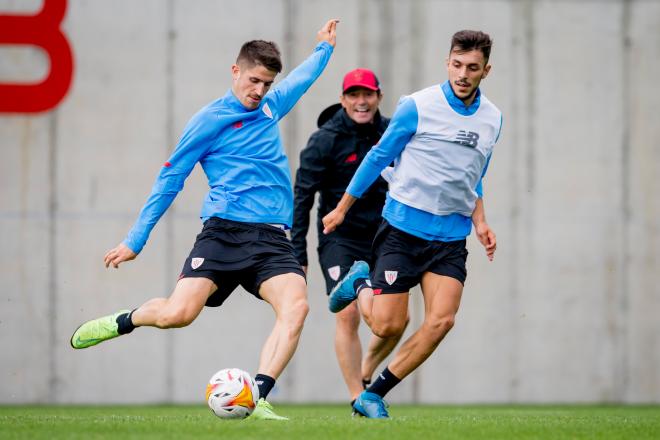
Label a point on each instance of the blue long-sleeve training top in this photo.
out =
(240, 151)
(441, 150)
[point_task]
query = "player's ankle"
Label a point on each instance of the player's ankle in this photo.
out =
(125, 323)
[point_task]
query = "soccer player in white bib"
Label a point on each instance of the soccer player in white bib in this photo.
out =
(441, 139)
(236, 140)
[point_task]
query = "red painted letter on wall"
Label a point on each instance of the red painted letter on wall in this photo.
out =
(43, 30)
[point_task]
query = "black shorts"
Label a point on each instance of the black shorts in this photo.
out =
(231, 253)
(337, 254)
(401, 259)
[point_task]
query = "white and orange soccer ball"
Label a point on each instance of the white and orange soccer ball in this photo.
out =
(232, 394)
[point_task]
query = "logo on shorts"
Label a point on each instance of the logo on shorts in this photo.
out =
(390, 276)
(334, 272)
(196, 262)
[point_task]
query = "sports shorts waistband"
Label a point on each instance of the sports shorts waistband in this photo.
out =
(275, 227)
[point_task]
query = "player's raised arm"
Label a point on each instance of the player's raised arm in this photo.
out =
(328, 32)
(286, 93)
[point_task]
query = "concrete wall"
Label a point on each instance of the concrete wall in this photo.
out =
(568, 311)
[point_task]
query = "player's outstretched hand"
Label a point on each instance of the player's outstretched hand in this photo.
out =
(118, 255)
(328, 32)
(487, 238)
(332, 220)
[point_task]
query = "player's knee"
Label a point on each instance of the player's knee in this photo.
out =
(388, 329)
(441, 325)
(296, 312)
(348, 319)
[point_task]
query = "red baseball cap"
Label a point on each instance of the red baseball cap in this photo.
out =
(360, 78)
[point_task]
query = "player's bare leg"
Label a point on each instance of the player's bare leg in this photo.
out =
(386, 315)
(287, 294)
(355, 369)
(377, 350)
(392, 309)
(180, 309)
(348, 348)
(442, 297)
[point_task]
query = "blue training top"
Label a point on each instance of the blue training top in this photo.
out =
(403, 131)
(241, 153)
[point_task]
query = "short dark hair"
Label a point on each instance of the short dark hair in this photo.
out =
(466, 40)
(261, 52)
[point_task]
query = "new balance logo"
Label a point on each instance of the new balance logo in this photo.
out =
(467, 138)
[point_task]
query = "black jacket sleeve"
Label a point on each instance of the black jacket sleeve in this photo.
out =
(308, 181)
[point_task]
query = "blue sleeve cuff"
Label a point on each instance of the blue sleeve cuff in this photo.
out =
(133, 245)
(325, 45)
(480, 189)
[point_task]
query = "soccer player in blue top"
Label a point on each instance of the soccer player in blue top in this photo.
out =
(441, 139)
(249, 204)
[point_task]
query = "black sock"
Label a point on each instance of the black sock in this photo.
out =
(265, 384)
(366, 383)
(124, 323)
(384, 383)
(352, 403)
(360, 284)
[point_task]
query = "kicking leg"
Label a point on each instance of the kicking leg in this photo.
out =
(179, 310)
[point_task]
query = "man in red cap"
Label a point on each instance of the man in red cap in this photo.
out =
(347, 131)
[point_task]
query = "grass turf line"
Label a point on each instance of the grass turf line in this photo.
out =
(332, 422)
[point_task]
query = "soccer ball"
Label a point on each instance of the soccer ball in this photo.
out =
(232, 394)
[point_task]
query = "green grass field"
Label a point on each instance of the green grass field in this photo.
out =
(333, 422)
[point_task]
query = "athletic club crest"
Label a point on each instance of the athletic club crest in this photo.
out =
(196, 262)
(267, 111)
(390, 276)
(334, 272)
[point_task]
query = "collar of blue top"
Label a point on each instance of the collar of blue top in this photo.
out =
(234, 103)
(457, 104)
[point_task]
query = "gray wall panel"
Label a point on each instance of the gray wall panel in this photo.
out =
(566, 312)
(639, 362)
